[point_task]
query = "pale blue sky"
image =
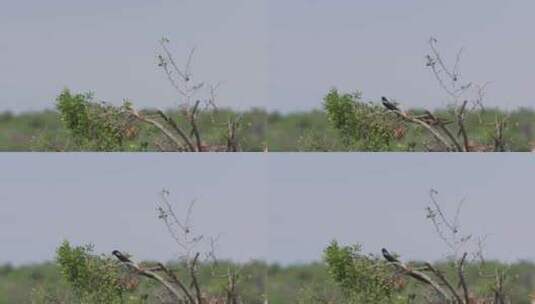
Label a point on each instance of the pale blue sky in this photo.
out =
(282, 207)
(276, 54)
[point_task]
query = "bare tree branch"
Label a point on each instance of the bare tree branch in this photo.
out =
(421, 277)
(173, 124)
(462, 279)
(425, 125)
(159, 126)
(152, 275)
(195, 129)
(445, 281)
(462, 129)
(193, 274)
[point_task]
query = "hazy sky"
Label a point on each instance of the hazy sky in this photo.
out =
(277, 54)
(110, 200)
(379, 47)
(110, 47)
(281, 207)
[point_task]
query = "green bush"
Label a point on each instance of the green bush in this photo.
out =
(95, 126)
(94, 279)
(362, 278)
(362, 126)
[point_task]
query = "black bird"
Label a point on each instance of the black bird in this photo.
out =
(121, 256)
(389, 105)
(388, 256)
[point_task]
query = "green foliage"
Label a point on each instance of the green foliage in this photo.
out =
(94, 279)
(319, 142)
(299, 132)
(17, 283)
(303, 283)
(300, 283)
(362, 278)
(100, 279)
(81, 124)
(74, 111)
(104, 127)
(302, 131)
(364, 126)
(319, 294)
(95, 126)
(46, 294)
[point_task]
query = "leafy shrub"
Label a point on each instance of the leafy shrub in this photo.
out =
(95, 126)
(363, 126)
(94, 279)
(362, 278)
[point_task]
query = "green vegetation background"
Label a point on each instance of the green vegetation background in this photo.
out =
(303, 131)
(303, 283)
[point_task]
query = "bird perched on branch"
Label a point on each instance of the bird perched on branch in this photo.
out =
(121, 256)
(388, 256)
(389, 105)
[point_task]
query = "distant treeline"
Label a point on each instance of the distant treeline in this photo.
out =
(303, 131)
(304, 283)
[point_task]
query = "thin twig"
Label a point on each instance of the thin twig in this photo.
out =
(163, 43)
